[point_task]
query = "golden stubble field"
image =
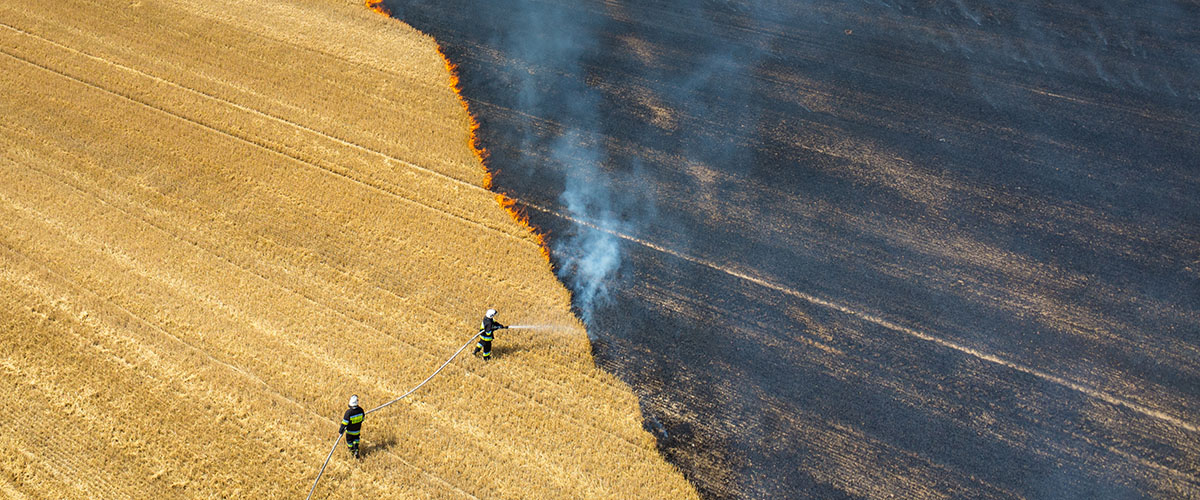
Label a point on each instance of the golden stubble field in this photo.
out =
(220, 218)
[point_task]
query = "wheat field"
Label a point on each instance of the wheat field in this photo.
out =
(219, 219)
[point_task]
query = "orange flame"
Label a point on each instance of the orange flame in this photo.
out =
(472, 125)
(377, 6)
(508, 204)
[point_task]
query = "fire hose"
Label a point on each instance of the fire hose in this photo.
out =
(382, 406)
(427, 379)
(314, 486)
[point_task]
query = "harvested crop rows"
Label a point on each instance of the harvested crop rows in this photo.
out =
(220, 219)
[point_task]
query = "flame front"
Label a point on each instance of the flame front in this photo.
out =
(508, 204)
(472, 125)
(377, 6)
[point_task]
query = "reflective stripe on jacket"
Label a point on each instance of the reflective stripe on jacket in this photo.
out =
(487, 329)
(352, 420)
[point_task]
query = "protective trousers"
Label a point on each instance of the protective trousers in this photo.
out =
(486, 346)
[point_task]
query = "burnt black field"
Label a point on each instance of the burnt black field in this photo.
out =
(868, 249)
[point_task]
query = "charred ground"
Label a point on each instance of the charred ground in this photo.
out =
(211, 235)
(1014, 180)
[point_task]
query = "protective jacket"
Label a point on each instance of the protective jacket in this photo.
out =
(352, 421)
(488, 327)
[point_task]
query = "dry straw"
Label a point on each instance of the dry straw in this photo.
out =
(220, 218)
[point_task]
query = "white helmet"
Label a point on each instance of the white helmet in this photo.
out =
(354, 400)
(491, 313)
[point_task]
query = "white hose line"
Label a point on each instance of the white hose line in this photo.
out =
(427, 379)
(314, 486)
(380, 407)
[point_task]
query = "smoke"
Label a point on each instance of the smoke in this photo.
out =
(603, 187)
(695, 89)
(553, 65)
(557, 59)
(588, 258)
(552, 47)
(563, 68)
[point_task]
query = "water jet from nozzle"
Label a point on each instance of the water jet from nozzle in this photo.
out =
(542, 327)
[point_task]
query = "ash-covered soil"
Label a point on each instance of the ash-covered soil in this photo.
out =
(868, 249)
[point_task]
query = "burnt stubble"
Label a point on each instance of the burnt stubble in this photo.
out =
(868, 249)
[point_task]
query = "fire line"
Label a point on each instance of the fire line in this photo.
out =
(509, 204)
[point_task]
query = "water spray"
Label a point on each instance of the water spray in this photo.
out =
(547, 328)
(535, 327)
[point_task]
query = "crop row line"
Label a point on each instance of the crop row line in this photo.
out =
(209, 355)
(336, 311)
(262, 143)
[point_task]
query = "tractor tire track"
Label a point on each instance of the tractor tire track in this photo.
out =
(281, 151)
(508, 386)
(251, 141)
(229, 366)
(245, 109)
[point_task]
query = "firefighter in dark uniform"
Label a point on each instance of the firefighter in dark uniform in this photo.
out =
(352, 425)
(487, 333)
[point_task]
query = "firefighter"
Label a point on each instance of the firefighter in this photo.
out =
(487, 333)
(352, 425)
